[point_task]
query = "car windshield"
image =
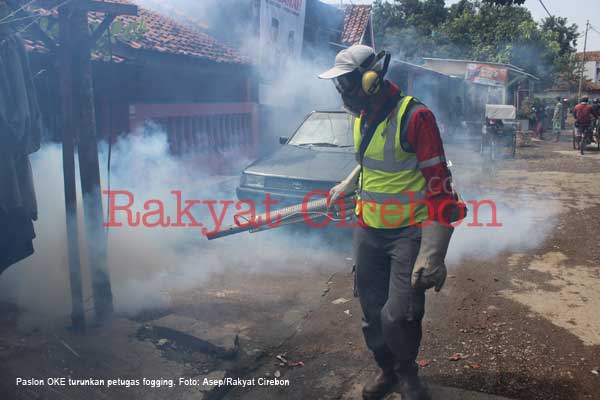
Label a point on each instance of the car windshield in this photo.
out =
(325, 130)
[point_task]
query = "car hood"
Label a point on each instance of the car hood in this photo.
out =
(316, 163)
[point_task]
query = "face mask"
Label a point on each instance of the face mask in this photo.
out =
(355, 103)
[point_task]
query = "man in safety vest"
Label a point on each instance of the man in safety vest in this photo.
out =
(403, 186)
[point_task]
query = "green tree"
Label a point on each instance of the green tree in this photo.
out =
(505, 2)
(565, 35)
(411, 28)
(487, 30)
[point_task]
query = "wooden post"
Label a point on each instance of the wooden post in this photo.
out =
(89, 167)
(68, 155)
(77, 100)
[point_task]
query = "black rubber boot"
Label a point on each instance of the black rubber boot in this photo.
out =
(383, 383)
(411, 387)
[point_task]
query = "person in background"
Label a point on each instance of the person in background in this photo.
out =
(584, 112)
(456, 115)
(541, 118)
(540, 115)
(565, 110)
(557, 118)
(548, 109)
(585, 116)
(596, 105)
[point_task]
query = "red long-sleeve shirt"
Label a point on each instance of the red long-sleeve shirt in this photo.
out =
(584, 113)
(424, 137)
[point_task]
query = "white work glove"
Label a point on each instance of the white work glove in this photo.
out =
(346, 187)
(341, 189)
(429, 270)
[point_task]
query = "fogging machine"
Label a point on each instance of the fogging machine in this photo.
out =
(341, 210)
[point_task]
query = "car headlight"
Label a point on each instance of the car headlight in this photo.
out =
(254, 180)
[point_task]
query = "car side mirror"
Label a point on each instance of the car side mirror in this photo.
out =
(283, 140)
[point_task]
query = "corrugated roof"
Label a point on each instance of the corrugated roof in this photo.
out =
(474, 61)
(511, 67)
(356, 20)
(165, 35)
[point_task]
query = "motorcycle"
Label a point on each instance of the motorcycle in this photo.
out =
(584, 136)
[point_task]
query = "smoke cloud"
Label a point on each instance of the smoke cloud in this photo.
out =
(149, 265)
(510, 220)
(522, 228)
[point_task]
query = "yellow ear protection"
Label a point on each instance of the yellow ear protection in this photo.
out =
(372, 80)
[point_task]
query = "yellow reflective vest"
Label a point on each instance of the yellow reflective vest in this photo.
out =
(392, 189)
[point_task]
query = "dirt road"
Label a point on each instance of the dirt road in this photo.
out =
(523, 324)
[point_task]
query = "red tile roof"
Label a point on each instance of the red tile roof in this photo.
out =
(587, 86)
(165, 35)
(167, 9)
(35, 46)
(356, 19)
(590, 56)
(590, 86)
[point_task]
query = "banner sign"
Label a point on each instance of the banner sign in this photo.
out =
(281, 35)
(486, 74)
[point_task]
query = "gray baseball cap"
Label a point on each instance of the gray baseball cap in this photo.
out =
(348, 60)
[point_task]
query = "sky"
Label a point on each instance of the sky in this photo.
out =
(577, 11)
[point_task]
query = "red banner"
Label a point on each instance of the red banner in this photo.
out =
(486, 74)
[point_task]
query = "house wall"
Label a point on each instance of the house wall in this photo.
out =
(591, 71)
(204, 112)
(322, 26)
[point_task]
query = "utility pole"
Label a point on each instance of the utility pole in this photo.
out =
(587, 27)
(89, 167)
(79, 117)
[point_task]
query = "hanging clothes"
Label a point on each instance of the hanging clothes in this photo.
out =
(20, 135)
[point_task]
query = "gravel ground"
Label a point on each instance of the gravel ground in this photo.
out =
(488, 330)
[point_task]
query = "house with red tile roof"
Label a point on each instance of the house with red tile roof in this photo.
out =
(200, 91)
(179, 72)
(358, 26)
(591, 66)
(329, 28)
(590, 86)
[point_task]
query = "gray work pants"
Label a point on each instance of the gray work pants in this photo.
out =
(392, 309)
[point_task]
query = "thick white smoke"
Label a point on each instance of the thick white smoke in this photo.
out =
(40, 282)
(517, 224)
(147, 265)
